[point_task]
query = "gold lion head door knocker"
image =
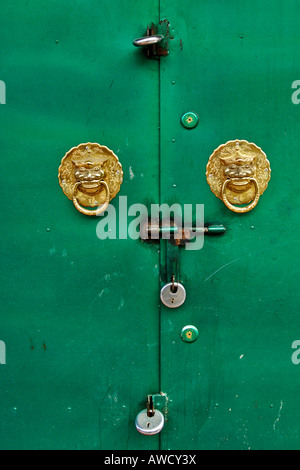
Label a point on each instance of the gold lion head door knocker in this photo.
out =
(90, 175)
(238, 173)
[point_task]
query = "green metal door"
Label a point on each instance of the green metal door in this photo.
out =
(86, 337)
(79, 315)
(234, 64)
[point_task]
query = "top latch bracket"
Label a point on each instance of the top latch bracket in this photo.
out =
(157, 40)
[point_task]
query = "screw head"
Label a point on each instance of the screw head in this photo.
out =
(189, 120)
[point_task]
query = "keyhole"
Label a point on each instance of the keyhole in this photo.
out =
(172, 301)
(148, 425)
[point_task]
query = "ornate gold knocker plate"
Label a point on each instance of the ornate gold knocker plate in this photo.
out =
(238, 172)
(90, 175)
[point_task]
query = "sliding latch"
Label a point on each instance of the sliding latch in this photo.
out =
(173, 293)
(177, 235)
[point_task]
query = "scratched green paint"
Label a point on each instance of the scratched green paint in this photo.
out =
(86, 341)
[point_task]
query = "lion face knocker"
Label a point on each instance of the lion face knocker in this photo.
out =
(90, 175)
(238, 172)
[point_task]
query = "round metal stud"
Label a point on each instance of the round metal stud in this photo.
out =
(189, 333)
(189, 120)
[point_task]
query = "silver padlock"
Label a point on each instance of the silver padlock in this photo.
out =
(149, 425)
(173, 294)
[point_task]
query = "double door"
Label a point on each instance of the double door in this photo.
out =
(87, 337)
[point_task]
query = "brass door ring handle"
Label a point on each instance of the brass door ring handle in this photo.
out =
(100, 209)
(240, 210)
(238, 173)
(90, 175)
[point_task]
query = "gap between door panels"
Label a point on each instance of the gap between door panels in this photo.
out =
(162, 251)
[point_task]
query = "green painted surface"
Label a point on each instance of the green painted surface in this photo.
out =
(79, 315)
(233, 64)
(86, 338)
